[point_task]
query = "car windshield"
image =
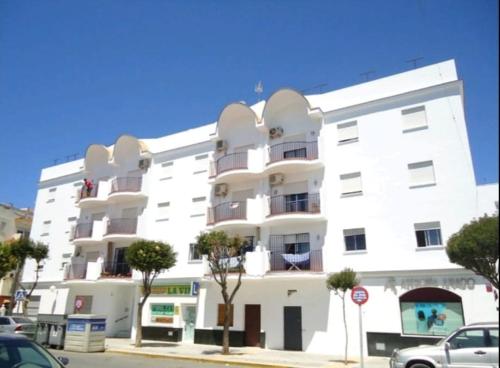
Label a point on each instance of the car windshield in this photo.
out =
(22, 320)
(25, 354)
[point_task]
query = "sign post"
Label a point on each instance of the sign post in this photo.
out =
(359, 295)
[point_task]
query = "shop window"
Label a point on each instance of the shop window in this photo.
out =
(431, 311)
(220, 315)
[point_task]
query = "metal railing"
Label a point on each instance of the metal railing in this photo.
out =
(116, 269)
(227, 211)
(232, 161)
(283, 204)
(75, 271)
(84, 193)
(293, 151)
(313, 263)
(83, 230)
(126, 184)
(122, 226)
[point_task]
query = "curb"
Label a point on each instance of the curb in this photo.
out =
(239, 363)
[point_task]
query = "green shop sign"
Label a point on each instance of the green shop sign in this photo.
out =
(181, 289)
(162, 309)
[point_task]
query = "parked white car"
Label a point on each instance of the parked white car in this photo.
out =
(474, 345)
(17, 325)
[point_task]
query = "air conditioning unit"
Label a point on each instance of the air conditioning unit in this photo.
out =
(275, 132)
(276, 179)
(144, 163)
(220, 145)
(221, 190)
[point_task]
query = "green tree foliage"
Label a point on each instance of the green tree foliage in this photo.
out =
(150, 258)
(340, 283)
(224, 253)
(475, 247)
(7, 261)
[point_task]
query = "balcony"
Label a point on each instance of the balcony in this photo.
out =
(126, 188)
(294, 207)
(116, 270)
(231, 162)
(295, 262)
(92, 271)
(88, 233)
(289, 156)
(86, 199)
(121, 229)
(227, 211)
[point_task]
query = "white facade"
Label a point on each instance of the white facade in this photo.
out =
(375, 177)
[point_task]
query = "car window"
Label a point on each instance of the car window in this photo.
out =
(17, 351)
(22, 320)
(494, 337)
(468, 339)
(4, 321)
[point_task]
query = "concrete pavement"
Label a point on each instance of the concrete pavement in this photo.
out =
(239, 357)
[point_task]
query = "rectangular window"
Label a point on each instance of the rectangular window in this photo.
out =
(200, 164)
(220, 315)
(163, 211)
(421, 174)
(201, 157)
(194, 255)
(414, 119)
(167, 170)
(199, 199)
(347, 132)
(428, 234)
(296, 243)
(52, 190)
(354, 239)
(46, 228)
(350, 184)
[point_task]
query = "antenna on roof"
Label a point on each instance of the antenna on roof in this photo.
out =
(367, 73)
(414, 61)
(319, 87)
(258, 89)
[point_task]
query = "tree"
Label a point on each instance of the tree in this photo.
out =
(150, 258)
(341, 282)
(475, 247)
(19, 251)
(7, 262)
(224, 253)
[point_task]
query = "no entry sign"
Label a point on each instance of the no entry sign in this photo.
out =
(359, 295)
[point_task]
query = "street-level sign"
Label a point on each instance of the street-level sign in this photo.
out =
(79, 303)
(20, 295)
(359, 295)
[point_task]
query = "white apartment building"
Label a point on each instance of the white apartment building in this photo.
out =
(374, 177)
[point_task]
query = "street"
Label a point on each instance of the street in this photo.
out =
(111, 360)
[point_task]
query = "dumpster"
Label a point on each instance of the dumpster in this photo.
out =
(85, 333)
(42, 333)
(56, 336)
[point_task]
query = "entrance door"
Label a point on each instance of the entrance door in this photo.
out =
(293, 328)
(252, 324)
(120, 266)
(189, 316)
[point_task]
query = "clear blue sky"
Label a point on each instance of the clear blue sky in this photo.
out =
(74, 73)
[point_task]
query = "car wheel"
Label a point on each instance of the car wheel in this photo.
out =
(420, 365)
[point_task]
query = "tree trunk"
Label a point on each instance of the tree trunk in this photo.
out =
(13, 289)
(25, 306)
(138, 326)
(345, 328)
(225, 333)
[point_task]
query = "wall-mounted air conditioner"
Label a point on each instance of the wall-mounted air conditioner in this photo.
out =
(220, 145)
(275, 132)
(220, 190)
(144, 163)
(276, 179)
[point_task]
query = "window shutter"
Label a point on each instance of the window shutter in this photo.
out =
(347, 131)
(220, 315)
(421, 173)
(414, 118)
(350, 183)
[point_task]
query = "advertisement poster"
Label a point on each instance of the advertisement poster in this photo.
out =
(162, 313)
(431, 318)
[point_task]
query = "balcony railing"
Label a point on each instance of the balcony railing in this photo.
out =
(75, 271)
(293, 151)
(126, 184)
(85, 193)
(227, 211)
(122, 226)
(116, 269)
(284, 204)
(233, 161)
(83, 230)
(307, 261)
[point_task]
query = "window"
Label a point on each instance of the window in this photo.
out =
(166, 170)
(350, 184)
(354, 239)
(70, 219)
(199, 199)
(296, 202)
(468, 339)
(46, 228)
(51, 190)
(347, 132)
(201, 164)
(296, 243)
(428, 234)
(194, 255)
(414, 119)
(421, 174)
(220, 314)
(163, 211)
(248, 244)
(198, 207)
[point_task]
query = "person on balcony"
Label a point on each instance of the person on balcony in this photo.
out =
(87, 186)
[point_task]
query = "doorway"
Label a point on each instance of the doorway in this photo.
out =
(189, 316)
(252, 324)
(293, 328)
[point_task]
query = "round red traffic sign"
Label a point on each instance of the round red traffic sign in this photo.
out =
(79, 303)
(359, 295)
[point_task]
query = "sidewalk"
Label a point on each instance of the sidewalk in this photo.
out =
(239, 357)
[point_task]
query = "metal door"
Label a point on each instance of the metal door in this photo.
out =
(293, 328)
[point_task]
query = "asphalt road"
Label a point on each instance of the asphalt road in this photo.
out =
(111, 360)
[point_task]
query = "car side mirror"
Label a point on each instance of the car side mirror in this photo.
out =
(63, 360)
(447, 346)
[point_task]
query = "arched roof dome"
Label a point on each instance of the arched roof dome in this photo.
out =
(282, 98)
(235, 112)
